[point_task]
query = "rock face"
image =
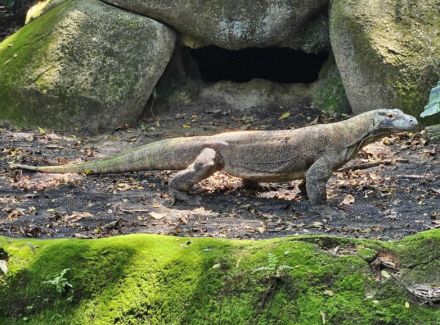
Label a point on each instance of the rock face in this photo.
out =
(82, 66)
(230, 24)
(255, 94)
(387, 51)
(328, 93)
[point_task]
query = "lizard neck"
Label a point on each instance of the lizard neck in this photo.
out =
(359, 131)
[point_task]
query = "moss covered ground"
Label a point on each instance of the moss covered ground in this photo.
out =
(152, 279)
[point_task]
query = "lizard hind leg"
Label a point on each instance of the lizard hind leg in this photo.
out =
(206, 164)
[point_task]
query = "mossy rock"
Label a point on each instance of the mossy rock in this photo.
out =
(313, 37)
(328, 92)
(82, 66)
(230, 24)
(151, 279)
(388, 52)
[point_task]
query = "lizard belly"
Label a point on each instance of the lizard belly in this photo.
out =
(264, 176)
(278, 160)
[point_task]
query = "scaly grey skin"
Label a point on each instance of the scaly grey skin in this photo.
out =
(312, 153)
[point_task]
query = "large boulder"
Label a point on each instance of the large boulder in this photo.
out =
(328, 93)
(387, 51)
(82, 66)
(230, 24)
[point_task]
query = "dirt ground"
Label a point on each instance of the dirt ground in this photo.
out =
(390, 190)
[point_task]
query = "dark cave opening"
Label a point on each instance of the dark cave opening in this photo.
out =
(282, 65)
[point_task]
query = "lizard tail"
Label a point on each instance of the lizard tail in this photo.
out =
(111, 165)
(172, 154)
(62, 169)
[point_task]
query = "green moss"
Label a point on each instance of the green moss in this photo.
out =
(74, 67)
(20, 54)
(394, 48)
(139, 279)
(329, 93)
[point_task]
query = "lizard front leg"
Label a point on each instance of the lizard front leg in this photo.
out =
(316, 180)
(206, 164)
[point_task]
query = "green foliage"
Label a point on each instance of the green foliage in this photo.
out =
(273, 267)
(60, 283)
(20, 52)
(433, 106)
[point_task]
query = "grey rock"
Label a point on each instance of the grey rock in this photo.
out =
(388, 52)
(230, 24)
(82, 66)
(328, 92)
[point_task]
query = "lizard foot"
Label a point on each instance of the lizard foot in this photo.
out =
(192, 200)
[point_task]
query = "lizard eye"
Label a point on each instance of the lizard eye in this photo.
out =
(391, 116)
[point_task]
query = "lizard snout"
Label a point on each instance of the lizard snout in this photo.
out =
(413, 124)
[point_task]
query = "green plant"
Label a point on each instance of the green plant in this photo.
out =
(275, 274)
(433, 106)
(273, 268)
(60, 283)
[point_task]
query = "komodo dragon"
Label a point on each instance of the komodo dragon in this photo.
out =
(312, 153)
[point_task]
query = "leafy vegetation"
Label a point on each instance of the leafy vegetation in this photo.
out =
(60, 282)
(433, 106)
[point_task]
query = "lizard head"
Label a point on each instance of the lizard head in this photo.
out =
(393, 120)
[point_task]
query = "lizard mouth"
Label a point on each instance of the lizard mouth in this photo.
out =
(403, 124)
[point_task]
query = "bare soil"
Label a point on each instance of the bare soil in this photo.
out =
(390, 190)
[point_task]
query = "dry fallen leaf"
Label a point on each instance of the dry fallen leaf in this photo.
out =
(323, 318)
(4, 266)
(329, 293)
(317, 224)
(261, 229)
(8, 200)
(157, 216)
(15, 213)
(42, 131)
(77, 216)
(41, 181)
(385, 274)
(284, 116)
(80, 236)
(348, 199)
